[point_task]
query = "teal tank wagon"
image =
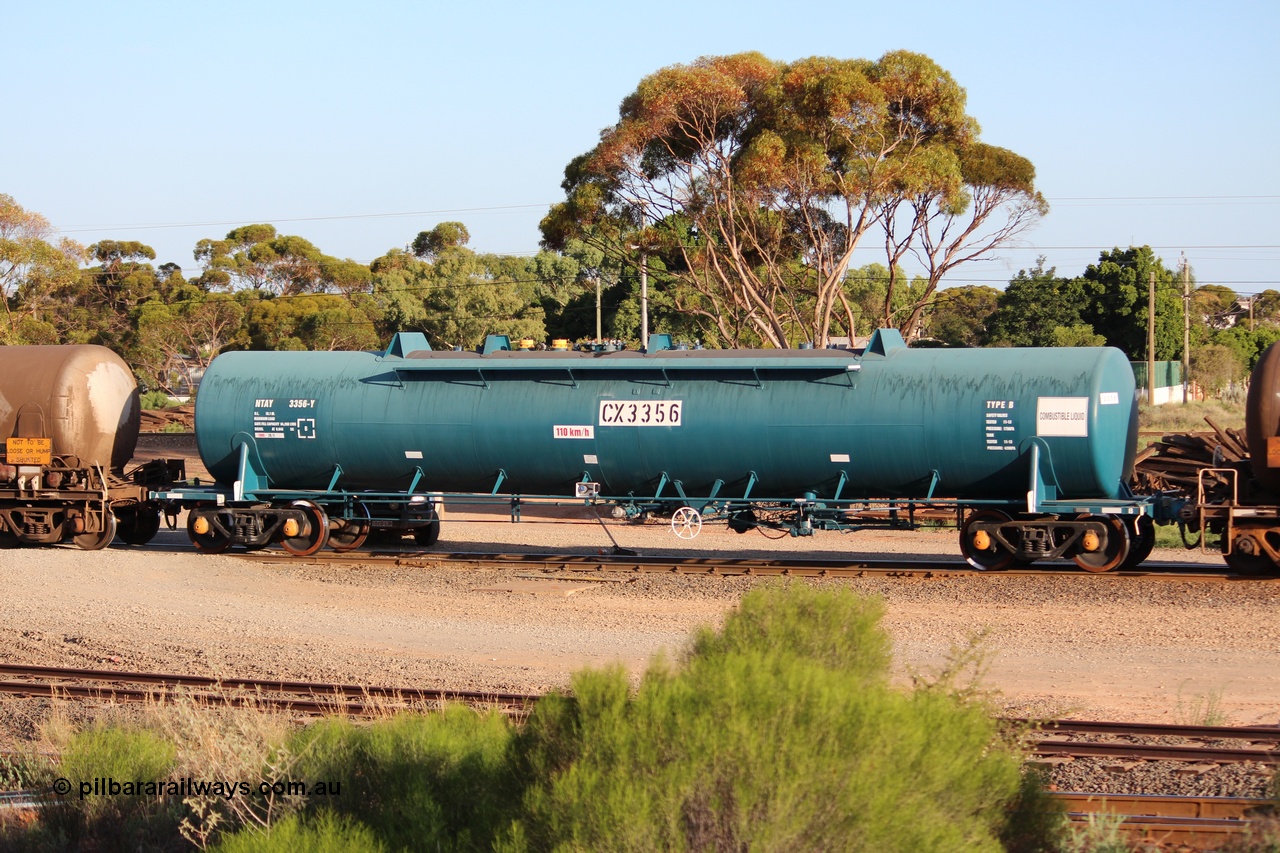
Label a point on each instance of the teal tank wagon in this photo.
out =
(1017, 436)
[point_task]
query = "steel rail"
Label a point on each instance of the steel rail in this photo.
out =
(1152, 752)
(306, 697)
(729, 566)
(1159, 805)
(1044, 740)
(26, 798)
(1197, 823)
(1256, 734)
(124, 694)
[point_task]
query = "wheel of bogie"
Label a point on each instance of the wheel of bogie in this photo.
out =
(1249, 564)
(137, 525)
(686, 522)
(353, 532)
(9, 540)
(1255, 563)
(429, 535)
(981, 550)
(313, 533)
(1113, 546)
(1140, 543)
(211, 540)
(100, 539)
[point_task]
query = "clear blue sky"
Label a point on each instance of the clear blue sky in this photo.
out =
(357, 125)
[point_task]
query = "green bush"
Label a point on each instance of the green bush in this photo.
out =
(780, 733)
(23, 770)
(155, 400)
(116, 754)
(435, 781)
(125, 817)
(324, 833)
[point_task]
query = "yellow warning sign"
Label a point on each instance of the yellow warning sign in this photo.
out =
(29, 451)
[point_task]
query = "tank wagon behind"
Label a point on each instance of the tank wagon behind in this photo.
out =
(1034, 444)
(69, 419)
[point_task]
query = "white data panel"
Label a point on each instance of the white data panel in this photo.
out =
(1062, 416)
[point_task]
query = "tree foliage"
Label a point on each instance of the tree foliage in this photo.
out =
(1116, 295)
(33, 269)
(258, 289)
(755, 181)
(958, 315)
(258, 258)
(1035, 305)
(177, 338)
(457, 296)
(446, 235)
(874, 292)
(1215, 366)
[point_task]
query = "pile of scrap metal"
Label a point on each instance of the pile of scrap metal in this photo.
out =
(1175, 461)
(164, 420)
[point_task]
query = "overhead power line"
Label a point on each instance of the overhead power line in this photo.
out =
(77, 229)
(1167, 198)
(80, 229)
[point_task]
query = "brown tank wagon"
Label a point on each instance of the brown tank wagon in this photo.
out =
(69, 418)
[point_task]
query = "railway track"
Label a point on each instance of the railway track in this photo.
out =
(1062, 739)
(1144, 742)
(1152, 742)
(579, 565)
(294, 696)
(1202, 823)
(1196, 823)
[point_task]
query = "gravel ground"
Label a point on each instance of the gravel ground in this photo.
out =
(1157, 777)
(1095, 647)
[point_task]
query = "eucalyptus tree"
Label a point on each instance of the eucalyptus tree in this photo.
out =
(34, 265)
(182, 333)
(463, 295)
(962, 206)
(755, 181)
(257, 257)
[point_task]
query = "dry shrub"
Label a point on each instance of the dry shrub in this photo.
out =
(231, 745)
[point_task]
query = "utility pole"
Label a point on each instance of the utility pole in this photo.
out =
(644, 300)
(1151, 340)
(597, 278)
(1186, 330)
(644, 295)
